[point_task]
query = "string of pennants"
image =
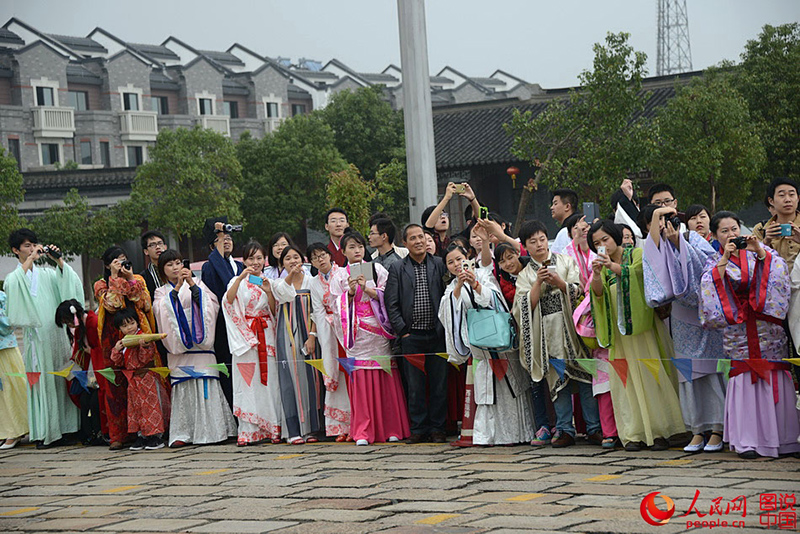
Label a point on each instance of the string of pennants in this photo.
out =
(499, 368)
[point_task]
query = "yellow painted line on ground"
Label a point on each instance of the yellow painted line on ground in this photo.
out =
(603, 478)
(20, 511)
(525, 497)
(675, 462)
(288, 456)
(436, 519)
(213, 472)
(121, 488)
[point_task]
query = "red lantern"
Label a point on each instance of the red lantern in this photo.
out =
(513, 172)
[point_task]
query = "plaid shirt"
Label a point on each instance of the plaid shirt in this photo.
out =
(423, 317)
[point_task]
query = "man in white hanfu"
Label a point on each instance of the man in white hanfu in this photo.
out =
(34, 293)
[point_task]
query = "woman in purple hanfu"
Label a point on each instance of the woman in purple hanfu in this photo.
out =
(673, 265)
(746, 293)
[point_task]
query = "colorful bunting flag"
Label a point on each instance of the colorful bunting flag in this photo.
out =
(162, 371)
(348, 364)
(109, 374)
(454, 364)
(191, 371)
(760, 367)
(247, 370)
(499, 368)
(621, 367)
(83, 379)
(1, 384)
(64, 373)
(589, 365)
(18, 375)
(417, 360)
(221, 367)
(684, 366)
(795, 361)
(724, 366)
(559, 365)
(318, 365)
(33, 377)
(385, 362)
(443, 355)
(128, 374)
(652, 365)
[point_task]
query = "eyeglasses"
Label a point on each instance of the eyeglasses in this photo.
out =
(663, 202)
(444, 215)
(156, 244)
(226, 239)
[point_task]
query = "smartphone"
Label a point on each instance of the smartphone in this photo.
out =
(468, 265)
(483, 213)
(186, 264)
(253, 279)
(461, 188)
(786, 230)
(601, 250)
(592, 211)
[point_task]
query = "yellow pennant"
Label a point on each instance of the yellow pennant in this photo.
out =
(795, 361)
(442, 355)
(318, 365)
(64, 373)
(652, 365)
(163, 371)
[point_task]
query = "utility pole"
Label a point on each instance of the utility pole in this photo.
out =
(673, 52)
(418, 117)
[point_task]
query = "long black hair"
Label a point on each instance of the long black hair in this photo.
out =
(112, 253)
(70, 313)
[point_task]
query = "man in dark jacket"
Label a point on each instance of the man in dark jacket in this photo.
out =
(413, 292)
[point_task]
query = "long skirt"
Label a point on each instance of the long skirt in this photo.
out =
(200, 413)
(257, 406)
(13, 396)
(377, 403)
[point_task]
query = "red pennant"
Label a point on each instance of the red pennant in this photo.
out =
(499, 368)
(33, 378)
(621, 367)
(760, 369)
(417, 360)
(128, 374)
(247, 370)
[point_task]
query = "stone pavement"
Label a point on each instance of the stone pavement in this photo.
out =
(393, 488)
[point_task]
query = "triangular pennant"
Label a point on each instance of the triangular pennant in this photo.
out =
(247, 370)
(163, 371)
(443, 355)
(190, 370)
(18, 375)
(652, 365)
(621, 367)
(64, 373)
(761, 368)
(589, 365)
(559, 365)
(109, 374)
(83, 379)
(1, 384)
(417, 360)
(33, 377)
(795, 361)
(385, 362)
(684, 366)
(318, 365)
(128, 374)
(221, 367)
(499, 368)
(724, 366)
(348, 364)
(454, 364)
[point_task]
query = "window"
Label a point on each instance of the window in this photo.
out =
(49, 154)
(44, 96)
(231, 109)
(205, 106)
(135, 156)
(13, 149)
(272, 110)
(105, 154)
(86, 152)
(298, 109)
(78, 100)
(130, 101)
(160, 104)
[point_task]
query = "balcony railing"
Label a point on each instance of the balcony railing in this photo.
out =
(138, 125)
(51, 121)
(272, 124)
(217, 123)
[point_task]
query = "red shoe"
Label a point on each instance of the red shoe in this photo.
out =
(341, 438)
(297, 441)
(177, 444)
(311, 439)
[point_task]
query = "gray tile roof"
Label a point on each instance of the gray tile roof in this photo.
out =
(7, 36)
(232, 87)
(80, 74)
(378, 77)
(297, 92)
(156, 51)
(159, 80)
(315, 73)
(79, 43)
(488, 81)
(83, 179)
(441, 79)
(225, 58)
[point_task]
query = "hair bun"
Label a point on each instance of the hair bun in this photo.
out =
(72, 310)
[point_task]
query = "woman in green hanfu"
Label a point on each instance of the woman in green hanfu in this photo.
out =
(644, 389)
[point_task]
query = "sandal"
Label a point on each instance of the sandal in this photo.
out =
(276, 441)
(311, 439)
(297, 441)
(341, 438)
(609, 443)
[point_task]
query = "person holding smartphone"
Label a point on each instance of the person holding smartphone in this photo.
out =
(437, 219)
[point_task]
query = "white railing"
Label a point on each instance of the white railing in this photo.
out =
(138, 125)
(217, 123)
(272, 124)
(51, 121)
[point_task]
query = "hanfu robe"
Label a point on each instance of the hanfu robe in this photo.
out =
(13, 396)
(646, 404)
(148, 400)
(672, 276)
(256, 384)
(378, 405)
(33, 297)
(302, 389)
(88, 359)
(501, 387)
(749, 303)
(337, 399)
(200, 413)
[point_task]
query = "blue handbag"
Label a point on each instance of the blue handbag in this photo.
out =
(492, 329)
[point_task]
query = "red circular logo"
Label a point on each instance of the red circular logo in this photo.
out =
(652, 514)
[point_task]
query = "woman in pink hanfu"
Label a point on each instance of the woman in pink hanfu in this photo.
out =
(378, 406)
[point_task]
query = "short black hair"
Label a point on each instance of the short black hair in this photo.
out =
(426, 213)
(291, 247)
(571, 221)
(317, 247)
(529, 228)
(335, 210)
(272, 260)
(251, 247)
(352, 235)
(567, 196)
(408, 227)
(502, 248)
(167, 256)
(385, 226)
(147, 236)
(123, 315)
(456, 246)
(714, 224)
(645, 216)
(18, 237)
(111, 253)
(659, 188)
(609, 227)
(378, 215)
(696, 209)
(773, 185)
(623, 226)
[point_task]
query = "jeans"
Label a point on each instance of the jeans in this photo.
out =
(427, 392)
(563, 407)
(539, 392)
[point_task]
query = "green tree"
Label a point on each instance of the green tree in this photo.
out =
(285, 175)
(192, 175)
(348, 190)
(709, 148)
(11, 194)
(592, 139)
(391, 191)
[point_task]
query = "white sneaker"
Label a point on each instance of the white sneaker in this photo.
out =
(393, 439)
(362, 442)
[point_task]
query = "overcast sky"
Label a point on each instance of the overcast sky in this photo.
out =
(548, 43)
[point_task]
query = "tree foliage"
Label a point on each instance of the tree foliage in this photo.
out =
(592, 139)
(709, 148)
(285, 174)
(348, 190)
(391, 191)
(192, 175)
(11, 193)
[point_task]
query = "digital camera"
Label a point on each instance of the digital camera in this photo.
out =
(740, 242)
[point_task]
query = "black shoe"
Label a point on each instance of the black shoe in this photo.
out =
(138, 445)
(438, 437)
(153, 443)
(748, 455)
(413, 439)
(659, 444)
(633, 446)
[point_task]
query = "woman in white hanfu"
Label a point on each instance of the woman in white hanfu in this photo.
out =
(186, 310)
(503, 415)
(249, 311)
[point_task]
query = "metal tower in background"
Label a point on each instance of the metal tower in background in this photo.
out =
(674, 54)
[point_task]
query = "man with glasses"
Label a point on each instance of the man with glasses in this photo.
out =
(381, 238)
(153, 244)
(663, 196)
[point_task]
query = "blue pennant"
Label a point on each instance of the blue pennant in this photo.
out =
(1, 384)
(189, 370)
(83, 379)
(348, 364)
(559, 366)
(684, 365)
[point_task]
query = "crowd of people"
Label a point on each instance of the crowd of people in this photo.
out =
(642, 330)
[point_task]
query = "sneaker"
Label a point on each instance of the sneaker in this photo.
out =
(563, 440)
(153, 443)
(139, 444)
(542, 437)
(362, 442)
(393, 439)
